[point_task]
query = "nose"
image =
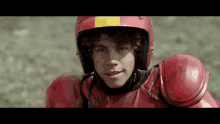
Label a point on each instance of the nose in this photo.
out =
(113, 58)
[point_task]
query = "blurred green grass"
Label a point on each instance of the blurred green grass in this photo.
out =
(36, 50)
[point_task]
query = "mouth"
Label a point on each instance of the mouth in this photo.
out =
(113, 73)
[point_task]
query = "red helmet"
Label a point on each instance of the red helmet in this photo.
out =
(141, 24)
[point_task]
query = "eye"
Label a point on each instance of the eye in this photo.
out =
(100, 50)
(122, 48)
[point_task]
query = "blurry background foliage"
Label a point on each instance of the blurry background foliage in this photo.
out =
(34, 51)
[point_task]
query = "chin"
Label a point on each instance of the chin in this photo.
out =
(114, 84)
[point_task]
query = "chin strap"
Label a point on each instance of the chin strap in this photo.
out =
(143, 77)
(90, 89)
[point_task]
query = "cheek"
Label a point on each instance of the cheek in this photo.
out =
(98, 62)
(129, 61)
(98, 59)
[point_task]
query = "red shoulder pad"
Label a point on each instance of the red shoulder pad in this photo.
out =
(184, 80)
(64, 92)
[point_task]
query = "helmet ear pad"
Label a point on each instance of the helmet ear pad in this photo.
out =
(141, 57)
(87, 62)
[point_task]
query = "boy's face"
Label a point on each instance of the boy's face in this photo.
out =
(108, 57)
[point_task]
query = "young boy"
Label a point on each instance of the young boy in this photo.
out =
(115, 53)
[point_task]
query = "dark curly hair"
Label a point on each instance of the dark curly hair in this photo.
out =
(121, 37)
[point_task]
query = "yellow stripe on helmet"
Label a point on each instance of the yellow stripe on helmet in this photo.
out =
(107, 21)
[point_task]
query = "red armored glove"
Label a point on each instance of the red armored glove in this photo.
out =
(184, 82)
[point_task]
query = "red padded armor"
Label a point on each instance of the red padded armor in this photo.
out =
(184, 80)
(64, 92)
(181, 79)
